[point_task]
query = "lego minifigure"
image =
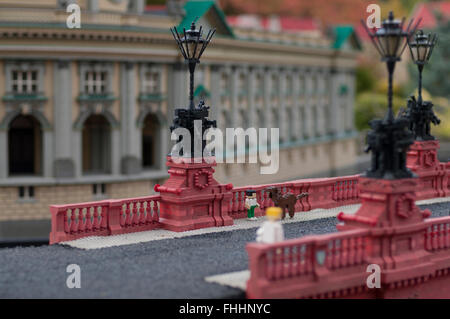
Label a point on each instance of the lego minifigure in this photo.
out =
(271, 230)
(251, 204)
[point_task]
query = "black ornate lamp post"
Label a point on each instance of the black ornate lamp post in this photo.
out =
(390, 138)
(421, 48)
(420, 113)
(390, 41)
(192, 45)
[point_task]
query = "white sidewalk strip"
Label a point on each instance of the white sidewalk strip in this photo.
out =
(236, 279)
(433, 201)
(96, 242)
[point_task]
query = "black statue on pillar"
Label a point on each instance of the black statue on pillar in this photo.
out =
(389, 142)
(420, 117)
(192, 45)
(184, 118)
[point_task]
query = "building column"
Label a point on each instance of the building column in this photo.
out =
(130, 158)
(234, 90)
(308, 108)
(336, 116)
(177, 89)
(47, 165)
(251, 98)
(64, 163)
(3, 154)
(321, 123)
(77, 151)
(115, 151)
(296, 119)
(215, 92)
(267, 97)
(283, 121)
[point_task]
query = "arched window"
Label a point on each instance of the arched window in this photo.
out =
(151, 142)
(96, 145)
(25, 146)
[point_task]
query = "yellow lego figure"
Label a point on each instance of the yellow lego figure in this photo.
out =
(271, 230)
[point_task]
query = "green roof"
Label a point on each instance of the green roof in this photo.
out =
(197, 9)
(201, 89)
(341, 35)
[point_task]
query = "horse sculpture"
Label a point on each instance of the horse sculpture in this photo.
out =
(284, 201)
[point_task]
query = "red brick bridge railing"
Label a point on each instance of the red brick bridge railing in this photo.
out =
(220, 202)
(113, 217)
(335, 265)
(104, 218)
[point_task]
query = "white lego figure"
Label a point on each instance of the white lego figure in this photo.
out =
(250, 204)
(271, 230)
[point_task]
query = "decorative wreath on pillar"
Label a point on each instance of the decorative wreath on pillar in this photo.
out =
(405, 206)
(428, 159)
(208, 176)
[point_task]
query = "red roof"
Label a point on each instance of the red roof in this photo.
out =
(426, 12)
(284, 23)
(150, 8)
(307, 24)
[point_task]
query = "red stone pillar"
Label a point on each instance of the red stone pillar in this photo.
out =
(422, 160)
(388, 209)
(191, 198)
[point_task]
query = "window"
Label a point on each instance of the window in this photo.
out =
(95, 82)
(150, 142)
(25, 146)
(151, 82)
(26, 193)
(96, 145)
(99, 191)
(24, 82)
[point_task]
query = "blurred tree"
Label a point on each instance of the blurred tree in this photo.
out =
(365, 79)
(436, 73)
(370, 106)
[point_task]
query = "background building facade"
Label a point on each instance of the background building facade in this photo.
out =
(85, 113)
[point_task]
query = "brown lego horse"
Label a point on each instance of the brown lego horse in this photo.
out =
(284, 201)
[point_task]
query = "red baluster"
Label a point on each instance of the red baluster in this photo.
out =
(96, 223)
(88, 219)
(66, 221)
(135, 214)
(150, 212)
(104, 220)
(73, 224)
(259, 199)
(266, 200)
(81, 220)
(141, 213)
(241, 199)
(128, 214)
(155, 211)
